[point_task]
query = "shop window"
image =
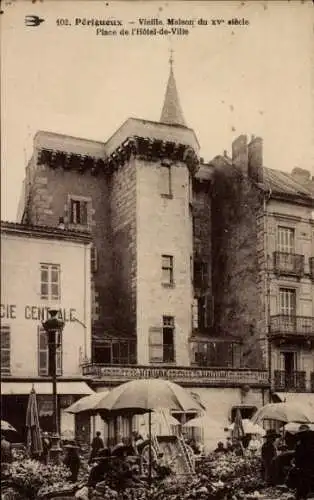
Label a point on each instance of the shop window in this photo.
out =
(50, 288)
(5, 350)
(43, 353)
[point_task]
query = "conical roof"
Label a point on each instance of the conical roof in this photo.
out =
(172, 112)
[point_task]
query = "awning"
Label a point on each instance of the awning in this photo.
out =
(303, 398)
(64, 388)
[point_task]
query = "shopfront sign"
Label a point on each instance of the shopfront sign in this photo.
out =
(34, 312)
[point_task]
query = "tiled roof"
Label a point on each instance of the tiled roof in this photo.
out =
(283, 183)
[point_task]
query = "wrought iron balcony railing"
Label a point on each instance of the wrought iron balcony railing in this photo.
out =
(290, 382)
(289, 264)
(292, 325)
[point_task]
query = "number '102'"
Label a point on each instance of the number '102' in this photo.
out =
(63, 22)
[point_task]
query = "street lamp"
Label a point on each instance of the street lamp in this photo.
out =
(52, 327)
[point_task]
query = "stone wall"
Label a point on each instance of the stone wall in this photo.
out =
(122, 188)
(237, 263)
(49, 190)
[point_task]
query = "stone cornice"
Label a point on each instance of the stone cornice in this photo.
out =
(29, 231)
(144, 148)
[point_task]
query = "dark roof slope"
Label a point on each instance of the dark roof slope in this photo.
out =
(284, 183)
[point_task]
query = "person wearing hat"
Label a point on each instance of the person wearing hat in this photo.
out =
(268, 453)
(72, 460)
(96, 445)
(304, 462)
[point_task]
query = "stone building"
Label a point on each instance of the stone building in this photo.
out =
(42, 268)
(263, 253)
(145, 197)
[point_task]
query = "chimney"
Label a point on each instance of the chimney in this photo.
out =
(255, 159)
(240, 153)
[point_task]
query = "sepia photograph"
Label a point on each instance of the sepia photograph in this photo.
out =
(157, 250)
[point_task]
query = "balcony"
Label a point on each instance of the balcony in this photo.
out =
(115, 351)
(290, 382)
(215, 353)
(185, 376)
(291, 326)
(288, 264)
(311, 262)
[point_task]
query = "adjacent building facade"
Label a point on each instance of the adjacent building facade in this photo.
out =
(263, 264)
(43, 268)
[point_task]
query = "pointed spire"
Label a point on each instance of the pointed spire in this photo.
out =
(172, 111)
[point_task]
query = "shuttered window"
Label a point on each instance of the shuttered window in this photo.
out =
(5, 350)
(43, 353)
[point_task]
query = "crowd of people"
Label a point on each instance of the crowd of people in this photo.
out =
(286, 458)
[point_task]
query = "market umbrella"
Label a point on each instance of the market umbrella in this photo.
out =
(249, 427)
(34, 442)
(160, 421)
(87, 403)
(212, 431)
(143, 396)
(293, 427)
(284, 412)
(5, 426)
(238, 429)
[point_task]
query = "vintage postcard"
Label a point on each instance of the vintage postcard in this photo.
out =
(157, 240)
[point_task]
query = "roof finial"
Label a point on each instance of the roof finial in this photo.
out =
(171, 61)
(171, 111)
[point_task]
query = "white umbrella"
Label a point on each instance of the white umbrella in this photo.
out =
(161, 422)
(205, 422)
(284, 412)
(5, 426)
(212, 431)
(249, 427)
(87, 403)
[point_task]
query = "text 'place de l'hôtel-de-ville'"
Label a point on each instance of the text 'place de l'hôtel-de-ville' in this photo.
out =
(162, 265)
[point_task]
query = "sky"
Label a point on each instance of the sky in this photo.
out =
(255, 79)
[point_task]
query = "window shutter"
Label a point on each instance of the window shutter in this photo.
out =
(42, 351)
(155, 344)
(5, 350)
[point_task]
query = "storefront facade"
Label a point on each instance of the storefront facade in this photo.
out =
(43, 268)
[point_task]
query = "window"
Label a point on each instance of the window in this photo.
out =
(165, 180)
(200, 274)
(167, 269)
(287, 302)
(43, 353)
(93, 259)
(50, 281)
(161, 342)
(286, 240)
(197, 226)
(5, 350)
(78, 212)
(168, 338)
